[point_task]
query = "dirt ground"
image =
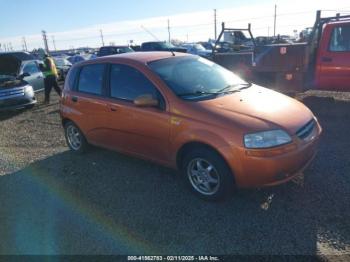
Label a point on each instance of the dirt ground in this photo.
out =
(55, 202)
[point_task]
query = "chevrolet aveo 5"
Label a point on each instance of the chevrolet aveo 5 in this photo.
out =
(186, 112)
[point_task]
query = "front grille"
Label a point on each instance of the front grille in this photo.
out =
(11, 92)
(306, 130)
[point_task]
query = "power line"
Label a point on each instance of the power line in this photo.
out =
(149, 32)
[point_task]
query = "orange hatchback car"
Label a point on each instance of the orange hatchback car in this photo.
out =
(186, 112)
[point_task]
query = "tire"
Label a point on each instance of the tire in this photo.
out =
(207, 174)
(75, 139)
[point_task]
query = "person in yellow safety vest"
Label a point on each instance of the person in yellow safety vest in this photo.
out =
(50, 73)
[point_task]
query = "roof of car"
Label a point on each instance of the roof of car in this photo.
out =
(141, 57)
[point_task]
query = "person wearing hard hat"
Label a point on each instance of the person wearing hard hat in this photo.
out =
(50, 73)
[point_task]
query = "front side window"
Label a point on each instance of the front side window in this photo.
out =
(91, 79)
(31, 68)
(340, 40)
(190, 76)
(128, 83)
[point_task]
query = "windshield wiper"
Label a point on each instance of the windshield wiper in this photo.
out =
(228, 87)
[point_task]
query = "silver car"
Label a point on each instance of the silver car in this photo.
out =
(22, 65)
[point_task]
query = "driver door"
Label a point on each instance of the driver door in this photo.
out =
(36, 77)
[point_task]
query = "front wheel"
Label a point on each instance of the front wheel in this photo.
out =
(75, 138)
(207, 174)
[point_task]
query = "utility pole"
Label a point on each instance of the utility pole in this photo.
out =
(45, 41)
(101, 33)
(168, 30)
(54, 42)
(215, 30)
(24, 44)
(274, 22)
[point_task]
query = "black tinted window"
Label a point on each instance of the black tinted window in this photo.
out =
(91, 79)
(128, 83)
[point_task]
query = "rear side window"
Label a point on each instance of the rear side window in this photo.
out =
(71, 77)
(91, 79)
(127, 83)
(340, 40)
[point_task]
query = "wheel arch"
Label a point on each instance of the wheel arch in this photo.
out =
(195, 145)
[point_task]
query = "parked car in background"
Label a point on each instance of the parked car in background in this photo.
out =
(161, 46)
(189, 113)
(76, 59)
(113, 50)
(198, 49)
(63, 66)
(21, 65)
(15, 93)
(207, 45)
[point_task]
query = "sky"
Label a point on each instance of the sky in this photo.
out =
(77, 23)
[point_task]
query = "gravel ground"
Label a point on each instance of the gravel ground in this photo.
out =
(55, 202)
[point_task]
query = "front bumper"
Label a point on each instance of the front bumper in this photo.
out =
(273, 166)
(16, 98)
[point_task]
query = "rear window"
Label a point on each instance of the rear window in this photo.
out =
(91, 79)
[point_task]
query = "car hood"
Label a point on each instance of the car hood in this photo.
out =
(258, 108)
(9, 65)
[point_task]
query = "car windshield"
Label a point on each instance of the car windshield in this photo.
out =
(62, 62)
(192, 77)
(166, 45)
(199, 47)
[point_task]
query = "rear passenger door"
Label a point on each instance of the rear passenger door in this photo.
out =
(88, 104)
(142, 131)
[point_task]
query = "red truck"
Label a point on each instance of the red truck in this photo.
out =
(322, 62)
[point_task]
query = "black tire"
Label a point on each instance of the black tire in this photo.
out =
(74, 146)
(220, 172)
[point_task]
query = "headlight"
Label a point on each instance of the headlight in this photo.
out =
(266, 139)
(28, 90)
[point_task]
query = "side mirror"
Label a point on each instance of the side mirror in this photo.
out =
(24, 75)
(41, 67)
(146, 100)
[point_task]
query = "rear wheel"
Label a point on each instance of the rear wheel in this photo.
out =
(207, 174)
(75, 138)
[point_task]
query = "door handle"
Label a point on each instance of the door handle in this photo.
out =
(74, 99)
(327, 59)
(113, 109)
